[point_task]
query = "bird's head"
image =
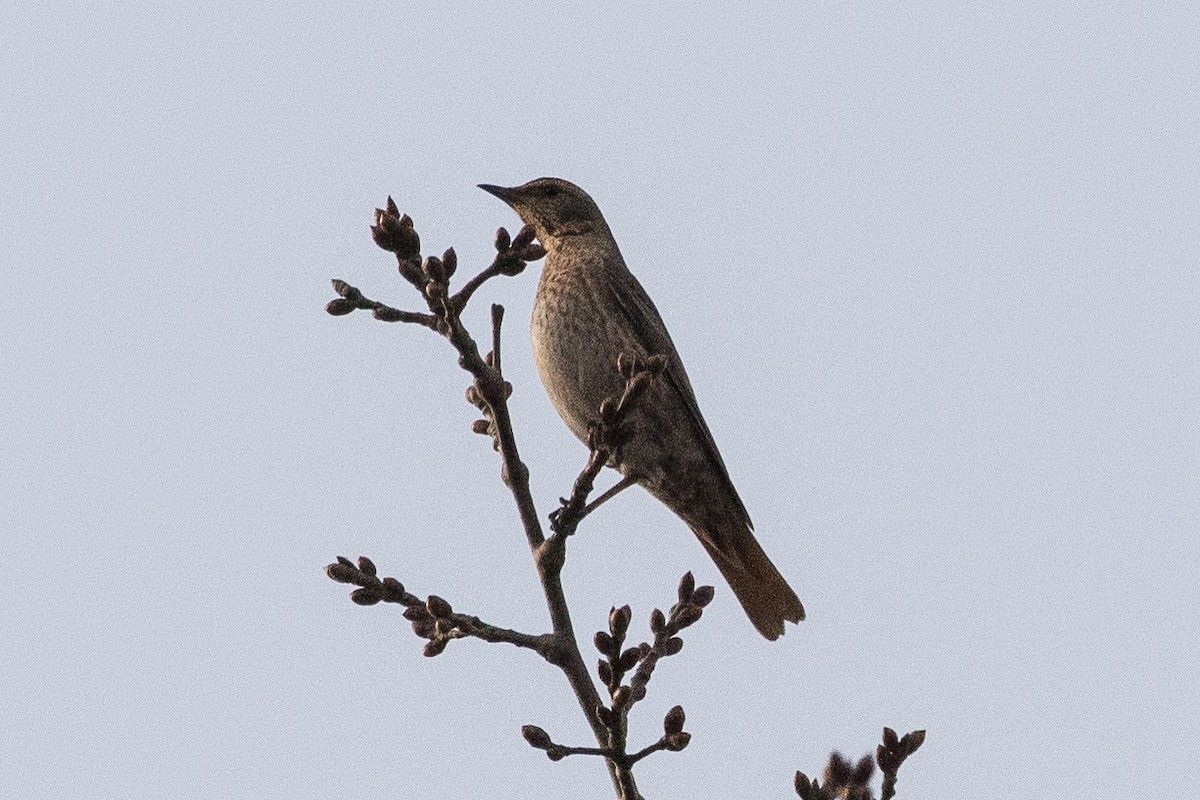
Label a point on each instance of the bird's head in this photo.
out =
(554, 207)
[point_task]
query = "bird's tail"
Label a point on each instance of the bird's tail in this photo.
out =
(762, 591)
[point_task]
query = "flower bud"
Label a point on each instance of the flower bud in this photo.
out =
(536, 737)
(502, 240)
(438, 607)
(524, 236)
(673, 722)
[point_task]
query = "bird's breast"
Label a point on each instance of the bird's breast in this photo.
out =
(577, 336)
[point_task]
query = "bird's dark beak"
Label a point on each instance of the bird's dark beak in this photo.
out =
(500, 191)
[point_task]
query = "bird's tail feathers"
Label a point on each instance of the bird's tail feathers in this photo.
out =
(762, 591)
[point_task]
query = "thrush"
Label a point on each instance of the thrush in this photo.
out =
(588, 311)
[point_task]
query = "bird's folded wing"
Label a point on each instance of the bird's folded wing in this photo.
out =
(647, 325)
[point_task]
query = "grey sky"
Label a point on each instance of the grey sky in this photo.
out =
(932, 268)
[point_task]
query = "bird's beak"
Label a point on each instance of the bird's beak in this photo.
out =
(500, 191)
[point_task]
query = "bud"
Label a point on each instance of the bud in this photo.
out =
(604, 643)
(502, 240)
(863, 771)
(524, 237)
(604, 670)
(438, 607)
(703, 596)
(342, 572)
(416, 612)
(434, 647)
(687, 586)
(657, 621)
(423, 627)
(629, 659)
(677, 741)
(536, 737)
(434, 269)
(393, 590)
(367, 566)
(618, 621)
(481, 426)
(366, 596)
(911, 741)
(672, 646)
(395, 233)
(450, 262)
(673, 722)
(339, 307)
(803, 787)
(890, 740)
(837, 771)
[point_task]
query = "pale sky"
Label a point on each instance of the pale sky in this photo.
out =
(932, 269)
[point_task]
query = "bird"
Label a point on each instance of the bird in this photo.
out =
(588, 311)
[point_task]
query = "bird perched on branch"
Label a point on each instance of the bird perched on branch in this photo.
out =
(589, 311)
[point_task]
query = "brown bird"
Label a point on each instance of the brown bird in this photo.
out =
(589, 310)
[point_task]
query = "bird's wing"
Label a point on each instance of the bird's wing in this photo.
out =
(651, 332)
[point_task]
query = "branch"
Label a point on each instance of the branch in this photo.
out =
(431, 277)
(431, 618)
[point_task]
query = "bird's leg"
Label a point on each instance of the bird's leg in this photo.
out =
(610, 493)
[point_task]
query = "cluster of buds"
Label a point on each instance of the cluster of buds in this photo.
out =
(846, 781)
(891, 754)
(431, 619)
(434, 620)
(641, 659)
(436, 274)
(639, 372)
(395, 233)
(372, 589)
(512, 255)
(843, 780)
(486, 425)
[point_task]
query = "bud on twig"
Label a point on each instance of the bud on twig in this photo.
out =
(618, 621)
(502, 240)
(673, 722)
(604, 643)
(342, 572)
(524, 236)
(677, 741)
(536, 737)
(438, 607)
(687, 586)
